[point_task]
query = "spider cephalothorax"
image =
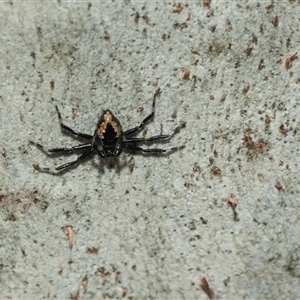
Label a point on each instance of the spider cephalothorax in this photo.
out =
(109, 139)
(108, 136)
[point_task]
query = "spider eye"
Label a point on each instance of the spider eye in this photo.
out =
(118, 150)
(100, 150)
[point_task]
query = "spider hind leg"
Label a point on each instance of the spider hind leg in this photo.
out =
(154, 150)
(63, 149)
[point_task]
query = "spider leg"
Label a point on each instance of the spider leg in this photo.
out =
(153, 150)
(134, 129)
(62, 125)
(71, 163)
(157, 137)
(64, 149)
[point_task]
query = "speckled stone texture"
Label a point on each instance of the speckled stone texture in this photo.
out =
(224, 208)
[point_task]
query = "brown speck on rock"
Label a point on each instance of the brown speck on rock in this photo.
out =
(124, 292)
(259, 147)
(268, 119)
(275, 21)
(74, 113)
(177, 9)
(92, 250)
(289, 60)
(278, 186)
(246, 88)
(187, 184)
(226, 281)
(249, 50)
(195, 51)
(196, 169)
(261, 64)
(52, 87)
(206, 3)
(69, 233)
(270, 6)
(84, 283)
(224, 97)
(206, 288)
(186, 75)
(282, 130)
(215, 171)
(232, 202)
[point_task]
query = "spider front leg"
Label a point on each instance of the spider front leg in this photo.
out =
(131, 143)
(62, 125)
(132, 130)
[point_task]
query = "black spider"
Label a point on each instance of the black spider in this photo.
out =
(109, 139)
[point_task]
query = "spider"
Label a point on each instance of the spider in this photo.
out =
(109, 140)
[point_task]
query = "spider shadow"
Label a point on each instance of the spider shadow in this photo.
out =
(125, 159)
(109, 163)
